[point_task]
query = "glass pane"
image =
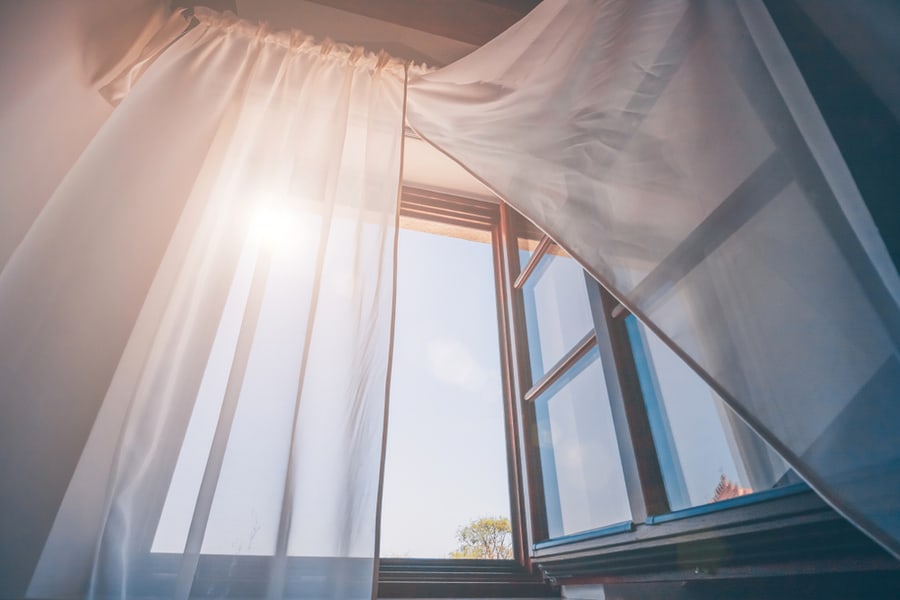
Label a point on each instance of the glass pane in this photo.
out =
(584, 486)
(706, 452)
(178, 510)
(557, 311)
(446, 450)
(246, 509)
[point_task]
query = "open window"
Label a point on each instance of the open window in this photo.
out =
(447, 477)
(626, 432)
(638, 471)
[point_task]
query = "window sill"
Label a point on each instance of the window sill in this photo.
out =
(623, 527)
(226, 576)
(712, 507)
(778, 534)
(459, 578)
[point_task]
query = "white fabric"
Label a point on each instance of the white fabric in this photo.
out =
(238, 448)
(673, 149)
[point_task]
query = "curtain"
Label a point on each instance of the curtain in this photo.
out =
(229, 234)
(673, 149)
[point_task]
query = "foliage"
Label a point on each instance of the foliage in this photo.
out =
(487, 537)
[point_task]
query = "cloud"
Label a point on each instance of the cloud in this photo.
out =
(450, 361)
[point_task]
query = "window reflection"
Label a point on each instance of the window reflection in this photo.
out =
(706, 452)
(557, 310)
(583, 481)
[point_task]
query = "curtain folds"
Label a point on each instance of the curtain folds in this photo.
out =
(235, 218)
(673, 149)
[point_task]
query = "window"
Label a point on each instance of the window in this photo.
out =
(446, 462)
(557, 311)
(583, 482)
(584, 487)
(707, 454)
(632, 466)
(626, 431)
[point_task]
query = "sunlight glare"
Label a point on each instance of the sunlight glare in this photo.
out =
(278, 228)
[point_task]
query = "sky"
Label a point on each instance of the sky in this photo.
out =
(446, 456)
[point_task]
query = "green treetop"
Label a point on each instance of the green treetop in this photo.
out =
(487, 537)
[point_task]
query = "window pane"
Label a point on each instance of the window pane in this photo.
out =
(446, 452)
(557, 311)
(178, 510)
(584, 486)
(706, 452)
(246, 509)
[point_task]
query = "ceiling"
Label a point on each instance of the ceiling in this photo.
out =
(322, 20)
(469, 23)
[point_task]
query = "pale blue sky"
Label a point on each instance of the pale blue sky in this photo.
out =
(446, 455)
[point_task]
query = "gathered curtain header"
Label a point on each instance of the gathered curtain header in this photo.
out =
(207, 24)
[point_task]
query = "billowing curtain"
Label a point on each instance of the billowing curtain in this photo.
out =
(673, 149)
(238, 447)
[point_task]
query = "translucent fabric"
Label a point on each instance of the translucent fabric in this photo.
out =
(239, 445)
(673, 149)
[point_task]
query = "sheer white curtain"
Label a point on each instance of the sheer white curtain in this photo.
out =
(238, 448)
(673, 149)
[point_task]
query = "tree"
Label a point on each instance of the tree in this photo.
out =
(487, 537)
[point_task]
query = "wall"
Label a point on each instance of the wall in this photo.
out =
(50, 51)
